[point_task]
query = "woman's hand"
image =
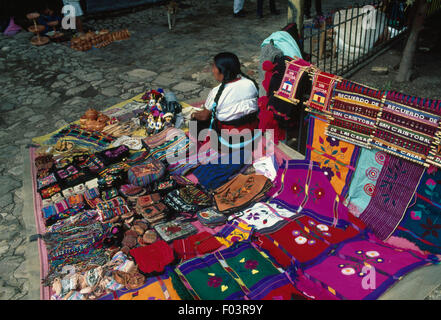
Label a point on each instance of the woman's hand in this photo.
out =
(202, 115)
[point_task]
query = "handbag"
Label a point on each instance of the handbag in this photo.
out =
(241, 192)
(146, 173)
(187, 199)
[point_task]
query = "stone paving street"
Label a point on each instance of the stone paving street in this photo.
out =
(44, 88)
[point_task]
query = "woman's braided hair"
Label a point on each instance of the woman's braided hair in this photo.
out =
(229, 65)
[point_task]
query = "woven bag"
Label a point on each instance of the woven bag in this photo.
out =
(146, 173)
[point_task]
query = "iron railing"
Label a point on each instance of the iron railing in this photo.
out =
(340, 41)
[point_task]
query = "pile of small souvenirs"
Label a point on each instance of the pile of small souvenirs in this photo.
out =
(132, 211)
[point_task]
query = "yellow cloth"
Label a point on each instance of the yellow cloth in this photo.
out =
(152, 292)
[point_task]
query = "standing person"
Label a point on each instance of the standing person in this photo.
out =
(273, 9)
(78, 13)
(318, 8)
(238, 9)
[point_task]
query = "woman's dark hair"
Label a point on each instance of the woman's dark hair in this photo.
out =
(229, 65)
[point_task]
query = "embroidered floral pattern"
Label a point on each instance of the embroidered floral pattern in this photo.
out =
(253, 216)
(328, 172)
(214, 281)
(251, 264)
(430, 228)
(366, 259)
(333, 142)
(389, 181)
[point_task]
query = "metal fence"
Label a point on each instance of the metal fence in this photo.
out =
(341, 41)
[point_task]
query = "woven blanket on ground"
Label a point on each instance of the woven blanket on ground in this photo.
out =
(362, 269)
(293, 73)
(155, 288)
(239, 272)
(265, 217)
(176, 148)
(301, 186)
(407, 126)
(365, 179)
(422, 221)
(354, 110)
(337, 158)
(395, 188)
(322, 87)
(304, 239)
(95, 141)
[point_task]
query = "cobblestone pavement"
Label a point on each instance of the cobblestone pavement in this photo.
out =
(44, 88)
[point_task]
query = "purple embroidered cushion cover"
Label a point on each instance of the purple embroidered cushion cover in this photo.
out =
(347, 272)
(395, 188)
(303, 187)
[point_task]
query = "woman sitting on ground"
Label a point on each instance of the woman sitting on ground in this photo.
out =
(233, 103)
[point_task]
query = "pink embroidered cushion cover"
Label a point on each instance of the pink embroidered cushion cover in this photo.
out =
(302, 186)
(347, 272)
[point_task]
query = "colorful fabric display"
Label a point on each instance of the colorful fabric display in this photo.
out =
(362, 187)
(109, 213)
(49, 211)
(147, 200)
(362, 269)
(46, 181)
(84, 138)
(187, 199)
(162, 137)
(322, 86)
(177, 147)
(112, 203)
(155, 288)
(175, 229)
(337, 158)
(301, 186)
(241, 192)
(420, 224)
(48, 192)
(239, 272)
(109, 193)
(395, 188)
(154, 213)
(407, 126)
(354, 109)
(265, 217)
(154, 257)
(93, 163)
(92, 193)
(234, 231)
(293, 73)
(210, 217)
(304, 239)
(75, 244)
(195, 245)
(130, 190)
(146, 173)
(113, 155)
